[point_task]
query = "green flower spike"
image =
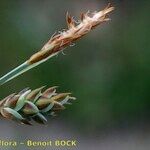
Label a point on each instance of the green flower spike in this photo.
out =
(35, 105)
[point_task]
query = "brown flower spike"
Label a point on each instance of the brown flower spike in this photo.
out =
(60, 41)
(35, 105)
(74, 32)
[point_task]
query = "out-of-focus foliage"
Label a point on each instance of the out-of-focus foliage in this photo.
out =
(108, 70)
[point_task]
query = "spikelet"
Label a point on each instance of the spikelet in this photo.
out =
(60, 41)
(74, 32)
(35, 105)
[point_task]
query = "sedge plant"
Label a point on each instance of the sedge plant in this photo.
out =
(35, 105)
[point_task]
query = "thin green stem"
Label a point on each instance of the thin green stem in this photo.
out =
(20, 70)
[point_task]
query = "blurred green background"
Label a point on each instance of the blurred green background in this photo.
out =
(108, 70)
